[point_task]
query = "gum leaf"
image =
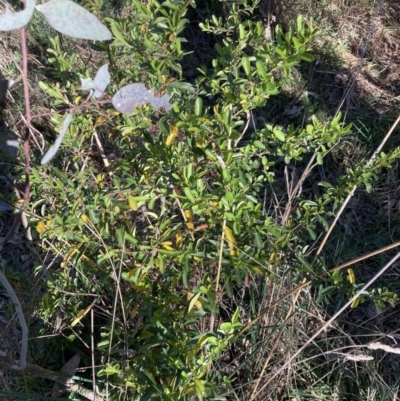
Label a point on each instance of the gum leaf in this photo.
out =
(99, 84)
(53, 149)
(87, 84)
(133, 95)
(72, 20)
(10, 20)
(101, 81)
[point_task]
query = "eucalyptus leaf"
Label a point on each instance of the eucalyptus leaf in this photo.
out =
(99, 84)
(133, 95)
(101, 81)
(53, 149)
(72, 20)
(10, 20)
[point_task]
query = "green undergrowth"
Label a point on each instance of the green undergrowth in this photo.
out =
(168, 232)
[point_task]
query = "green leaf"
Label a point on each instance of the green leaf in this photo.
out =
(300, 25)
(198, 106)
(246, 65)
(242, 32)
(193, 300)
(227, 327)
(279, 135)
(307, 57)
(200, 388)
(118, 35)
(182, 86)
(93, 217)
(257, 240)
(189, 194)
(296, 43)
(262, 72)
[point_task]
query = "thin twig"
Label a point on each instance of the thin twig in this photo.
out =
(92, 351)
(331, 320)
(24, 328)
(221, 251)
(304, 284)
(350, 195)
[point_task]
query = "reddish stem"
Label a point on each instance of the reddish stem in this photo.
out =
(28, 118)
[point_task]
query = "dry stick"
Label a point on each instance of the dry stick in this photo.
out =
(328, 323)
(117, 294)
(24, 328)
(302, 285)
(81, 106)
(303, 177)
(61, 378)
(24, 52)
(349, 196)
(92, 351)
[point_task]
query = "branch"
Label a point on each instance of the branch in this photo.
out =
(24, 343)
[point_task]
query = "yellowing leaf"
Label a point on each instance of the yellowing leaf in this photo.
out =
(178, 240)
(189, 220)
(85, 218)
(173, 133)
(355, 303)
(100, 120)
(133, 203)
(194, 301)
(81, 314)
(151, 214)
(100, 179)
(351, 276)
(134, 311)
(41, 227)
(78, 99)
(68, 256)
(231, 242)
(167, 245)
(139, 288)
